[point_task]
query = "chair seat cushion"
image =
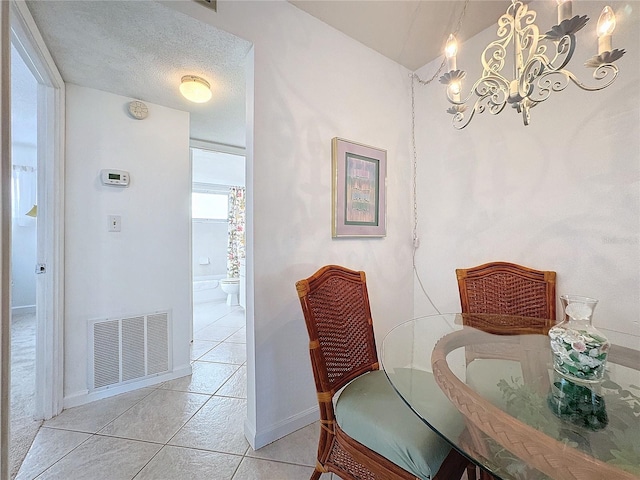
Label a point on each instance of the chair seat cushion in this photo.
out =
(370, 411)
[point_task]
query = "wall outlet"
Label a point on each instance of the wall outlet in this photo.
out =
(115, 223)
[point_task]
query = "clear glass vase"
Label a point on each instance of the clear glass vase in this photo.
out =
(579, 403)
(579, 349)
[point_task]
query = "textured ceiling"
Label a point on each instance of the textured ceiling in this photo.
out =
(141, 49)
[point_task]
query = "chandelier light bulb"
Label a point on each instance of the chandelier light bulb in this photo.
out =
(450, 51)
(195, 89)
(606, 22)
(455, 88)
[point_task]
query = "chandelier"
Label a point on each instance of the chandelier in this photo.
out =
(539, 63)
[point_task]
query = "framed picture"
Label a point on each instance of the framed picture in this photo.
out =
(359, 190)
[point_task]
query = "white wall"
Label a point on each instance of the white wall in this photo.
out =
(210, 239)
(23, 241)
(312, 83)
(560, 194)
(145, 267)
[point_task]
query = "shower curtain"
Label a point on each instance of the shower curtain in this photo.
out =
(236, 244)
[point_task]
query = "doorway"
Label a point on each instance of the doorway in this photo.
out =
(217, 237)
(218, 328)
(24, 159)
(37, 180)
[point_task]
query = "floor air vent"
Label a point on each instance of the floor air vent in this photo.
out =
(127, 349)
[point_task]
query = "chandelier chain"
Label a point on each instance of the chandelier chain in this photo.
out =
(444, 60)
(415, 197)
(415, 77)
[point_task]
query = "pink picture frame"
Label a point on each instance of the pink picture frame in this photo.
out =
(359, 190)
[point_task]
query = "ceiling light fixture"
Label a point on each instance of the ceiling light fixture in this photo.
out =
(195, 89)
(539, 63)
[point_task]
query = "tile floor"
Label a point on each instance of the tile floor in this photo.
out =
(188, 428)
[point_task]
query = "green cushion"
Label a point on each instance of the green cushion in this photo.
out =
(370, 411)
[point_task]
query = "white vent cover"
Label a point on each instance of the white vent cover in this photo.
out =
(126, 349)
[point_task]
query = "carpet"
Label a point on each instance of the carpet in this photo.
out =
(23, 361)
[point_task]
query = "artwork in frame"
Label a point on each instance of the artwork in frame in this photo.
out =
(359, 189)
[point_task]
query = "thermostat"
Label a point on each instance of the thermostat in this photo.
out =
(118, 178)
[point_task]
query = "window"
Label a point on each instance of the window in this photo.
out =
(209, 206)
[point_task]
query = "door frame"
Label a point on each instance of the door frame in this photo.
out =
(5, 237)
(27, 40)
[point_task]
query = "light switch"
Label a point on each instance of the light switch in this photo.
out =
(115, 223)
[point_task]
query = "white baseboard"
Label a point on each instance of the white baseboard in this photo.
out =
(260, 439)
(23, 310)
(84, 396)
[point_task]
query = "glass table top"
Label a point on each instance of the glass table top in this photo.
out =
(486, 383)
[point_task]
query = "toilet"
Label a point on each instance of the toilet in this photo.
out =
(231, 286)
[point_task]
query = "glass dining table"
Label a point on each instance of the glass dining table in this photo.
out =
(486, 384)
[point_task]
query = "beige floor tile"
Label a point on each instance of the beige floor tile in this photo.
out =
(239, 337)
(300, 447)
(233, 353)
(200, 347)
(234, 319)
(236, 386)
(218, 426)
(49, 446)
(214, 333)
(177, 463)
(93, 416)
(103, 458)
(206, 378)
(256, 469)
(205, 314)
(157, 417)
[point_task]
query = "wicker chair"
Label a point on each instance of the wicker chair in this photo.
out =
(336, 309)
(505, 289)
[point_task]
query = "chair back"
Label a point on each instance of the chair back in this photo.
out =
(335, 304)
(508, 289)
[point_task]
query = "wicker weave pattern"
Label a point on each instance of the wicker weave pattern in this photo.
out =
(504, 293)
(507, 325)
(343, 327)
(508, 289)
(345, 462)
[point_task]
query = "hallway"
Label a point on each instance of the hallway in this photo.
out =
(191, 427)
